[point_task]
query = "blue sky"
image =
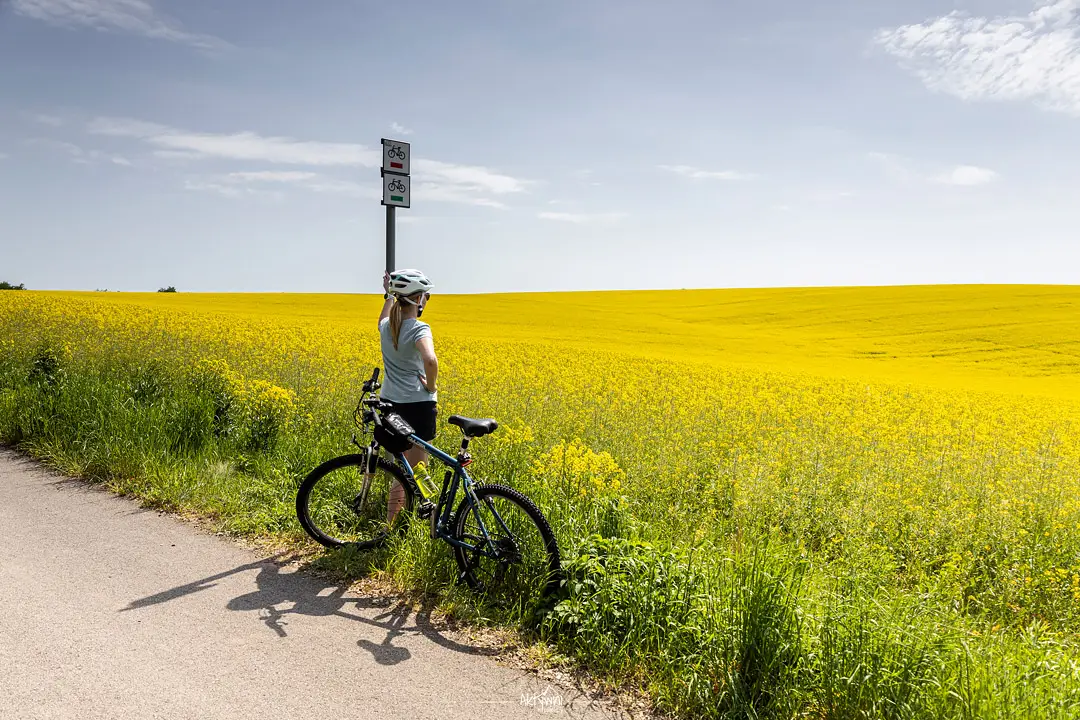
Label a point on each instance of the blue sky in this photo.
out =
(558, 144)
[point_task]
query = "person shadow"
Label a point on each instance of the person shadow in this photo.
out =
(279, 595)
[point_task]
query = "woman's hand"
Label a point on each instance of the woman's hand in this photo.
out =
(386, 282)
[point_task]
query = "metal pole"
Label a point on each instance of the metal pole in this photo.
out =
(390, 238)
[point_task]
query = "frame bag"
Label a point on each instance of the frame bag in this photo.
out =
(392, 432)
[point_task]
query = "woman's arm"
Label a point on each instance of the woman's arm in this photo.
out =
(389, 302)
(431, 363)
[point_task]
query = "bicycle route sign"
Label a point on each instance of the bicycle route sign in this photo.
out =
(395, 173)
(395, 157)
(395, 190)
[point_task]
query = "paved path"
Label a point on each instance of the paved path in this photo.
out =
(111, 611)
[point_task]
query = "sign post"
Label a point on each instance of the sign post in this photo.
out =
(396, 156)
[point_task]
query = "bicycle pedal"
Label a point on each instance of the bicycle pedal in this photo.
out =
(425, 509)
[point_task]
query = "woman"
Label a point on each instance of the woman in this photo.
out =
(410, 368)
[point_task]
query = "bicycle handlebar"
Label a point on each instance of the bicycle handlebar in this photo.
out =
(373, 403)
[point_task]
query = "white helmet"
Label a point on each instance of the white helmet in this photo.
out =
(409, 282)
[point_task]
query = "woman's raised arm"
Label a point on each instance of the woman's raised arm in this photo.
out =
(389, 302)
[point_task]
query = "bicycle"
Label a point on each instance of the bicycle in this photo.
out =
(396, 186)
(488, 544)
(395, 151)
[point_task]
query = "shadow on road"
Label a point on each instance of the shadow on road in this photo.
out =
(279, 595)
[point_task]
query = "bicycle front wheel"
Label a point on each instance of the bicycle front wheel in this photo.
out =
(520, 565)
(338, 505)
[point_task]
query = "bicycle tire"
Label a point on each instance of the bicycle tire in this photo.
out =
(483, 494)
(317, 533)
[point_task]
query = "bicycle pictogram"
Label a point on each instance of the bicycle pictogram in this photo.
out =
(395, 151)
(396, 185)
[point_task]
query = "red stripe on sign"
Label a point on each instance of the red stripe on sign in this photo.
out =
(397, 165)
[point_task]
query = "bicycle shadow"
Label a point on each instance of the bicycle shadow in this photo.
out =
(279, 595)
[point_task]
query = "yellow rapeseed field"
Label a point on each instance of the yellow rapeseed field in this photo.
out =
(922, 441)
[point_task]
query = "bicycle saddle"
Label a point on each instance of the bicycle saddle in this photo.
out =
(472, 427)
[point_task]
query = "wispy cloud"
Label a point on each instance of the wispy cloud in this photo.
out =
(132, 17)
(699, 174)
(257, 183)
(238, 146)
(271, 176)
(967, 175)
(1033, 57)
(50, 120)
(399, 129)
(583, 218)
(217, 187)
(894, 166)
(79, 155)
(3, 156)
(434, 179)
(902, 170)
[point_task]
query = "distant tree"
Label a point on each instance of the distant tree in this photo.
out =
(168, 289)
(9, 286)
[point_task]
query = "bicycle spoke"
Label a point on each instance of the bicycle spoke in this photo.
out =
(342, 507)
(519, 570)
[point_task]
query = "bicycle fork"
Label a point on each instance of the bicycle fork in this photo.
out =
(371, 463)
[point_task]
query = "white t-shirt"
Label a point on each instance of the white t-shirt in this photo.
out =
(403, 367)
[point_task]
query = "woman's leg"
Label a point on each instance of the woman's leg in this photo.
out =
(396, 498)
(422, 417)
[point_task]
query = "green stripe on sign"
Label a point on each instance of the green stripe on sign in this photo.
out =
(397, 198)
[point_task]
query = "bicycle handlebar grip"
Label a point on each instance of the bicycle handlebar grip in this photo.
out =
(375, 376)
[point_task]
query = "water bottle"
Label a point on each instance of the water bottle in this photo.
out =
(423, 480)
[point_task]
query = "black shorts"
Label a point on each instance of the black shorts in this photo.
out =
(421, 415)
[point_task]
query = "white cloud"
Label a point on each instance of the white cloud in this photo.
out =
(1033, 57)
(3, 156)
(894, 166)
(50, 120)
(271, 176)
(433, 179)
(466, 177)
(400, 129)
(239, 184)
(967, 175)
(220, 188)
(583, 218)
(231, 189)
(132, 17)
(348, 188)
(441, 192)
(238, 146)
(175, 155)
(699, 174)
(78, 155)
(901, 170)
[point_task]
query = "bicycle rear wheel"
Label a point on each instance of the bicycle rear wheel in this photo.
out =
(525, 566)
(336, 509)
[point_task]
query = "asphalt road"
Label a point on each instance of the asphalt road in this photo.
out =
(111, 611)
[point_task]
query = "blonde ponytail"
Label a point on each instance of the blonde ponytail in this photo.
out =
(396, 311)
(395, 321)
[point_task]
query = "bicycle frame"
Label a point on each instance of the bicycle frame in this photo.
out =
(455, 474)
